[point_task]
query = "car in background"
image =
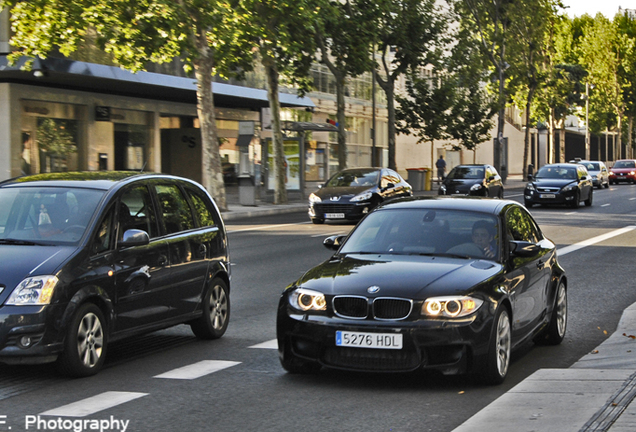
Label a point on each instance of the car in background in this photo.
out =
(598, 171)
(90, 258)
(564, 183)
(437, 283)
(624, 170)
(352, 193)
(474, 180)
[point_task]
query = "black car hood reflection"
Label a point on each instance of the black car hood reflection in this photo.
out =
(406, 276)
(20, 262)
(555, 183)
(340, 191)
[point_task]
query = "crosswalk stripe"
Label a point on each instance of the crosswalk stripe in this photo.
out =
(270, 344)
(94, 404)
(197, 370)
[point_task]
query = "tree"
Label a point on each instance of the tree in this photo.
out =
(282, 33)
(626, 27)
(203, 34)
(409, 34)
(343, 35)
(489, 21)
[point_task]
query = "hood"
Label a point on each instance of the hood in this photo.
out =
(556, 183)
(341, 191)
(407, 276)
(18, 262)
(461, 184)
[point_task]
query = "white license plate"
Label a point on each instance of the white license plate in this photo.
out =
(368, 340)
(334, 215)
(547, 196)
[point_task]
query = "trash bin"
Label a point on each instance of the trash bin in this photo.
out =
(428, 179)
(416, 178)
(247, 190)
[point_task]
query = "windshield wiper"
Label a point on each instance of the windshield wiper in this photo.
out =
(10, 241)
(451, 255)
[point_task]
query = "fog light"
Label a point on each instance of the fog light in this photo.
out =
(365, 210)
(25, 341)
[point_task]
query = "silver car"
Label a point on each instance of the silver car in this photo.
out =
(599, 173)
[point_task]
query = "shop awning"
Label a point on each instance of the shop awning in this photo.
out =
(91, 77)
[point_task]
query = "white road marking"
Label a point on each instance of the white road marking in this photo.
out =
(197, 370)
(270, 344)
(569, 213)
(606, 205)
(94, 404)
(632, 199)
(264, 227)
(576, 246)
(327, 235)
(512, 196)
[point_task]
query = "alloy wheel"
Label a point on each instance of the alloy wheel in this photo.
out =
(90, 340)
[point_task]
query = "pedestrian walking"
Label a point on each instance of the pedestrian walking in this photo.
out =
(441, 167)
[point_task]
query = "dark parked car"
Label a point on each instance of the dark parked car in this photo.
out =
(624, 170)
(352, 193)
(559, 184)
(477, 180)
(90, 258)
(452, 284)
(598, 171)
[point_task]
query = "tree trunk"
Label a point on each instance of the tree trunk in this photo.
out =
(390, 102)
(618, 143)
(630, 143)
(342, 120)
(562, 142)
(280, 165)
(526, 139)
(501, 121)
(551, 144)
(211, 168)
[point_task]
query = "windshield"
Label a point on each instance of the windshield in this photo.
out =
(625, 164)
(547, 172)
(354, 178)
(466, 173)
(49, 215)
(426, 232)
(592, 166)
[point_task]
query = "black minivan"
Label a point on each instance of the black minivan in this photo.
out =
(90, 258)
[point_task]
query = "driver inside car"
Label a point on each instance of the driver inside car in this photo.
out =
(483, 236)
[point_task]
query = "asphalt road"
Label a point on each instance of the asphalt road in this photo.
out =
(237, 384)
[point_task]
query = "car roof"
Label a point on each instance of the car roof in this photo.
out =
(477, 204)
(102, 180)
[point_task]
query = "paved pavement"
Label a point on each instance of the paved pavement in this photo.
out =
(593, 395)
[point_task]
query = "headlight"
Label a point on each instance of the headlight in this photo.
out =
(306, 300)
(476, 187)
(362, 197)
(450, 307)
(569, 188)
(611, 173)
(313, 198)
(632, 172)
(530, 186)
(36, 290)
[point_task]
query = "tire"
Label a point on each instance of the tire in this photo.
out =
(317, 221)
(499, 349)
(600, 185)
(216, 312)
(501, 194)
(588, 201)
(555, 331)
(528, 204)
(607, 185)
(577, 200)
(295, 365)
(85, 345)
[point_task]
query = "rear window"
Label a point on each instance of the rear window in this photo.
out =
(466, 173)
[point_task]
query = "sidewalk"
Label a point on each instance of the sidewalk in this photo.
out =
(593, 395)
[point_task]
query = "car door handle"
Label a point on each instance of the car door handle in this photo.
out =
(540, 265)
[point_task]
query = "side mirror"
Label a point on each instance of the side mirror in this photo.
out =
(134, 237)
(334, 242)
(520, 248)
(491, 178)
(583, 178)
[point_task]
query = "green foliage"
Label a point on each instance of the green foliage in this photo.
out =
(53, 138)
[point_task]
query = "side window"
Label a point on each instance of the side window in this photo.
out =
(204, 210)
(137, 212)
(520, 226)
(103, 239)
(175, 211)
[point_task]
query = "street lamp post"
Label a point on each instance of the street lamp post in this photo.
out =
(587, 121)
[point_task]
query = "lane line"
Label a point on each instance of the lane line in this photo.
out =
(606, 205)
(328, 235)
(94, 404)
(632, 199)
(264, 227)
(197, 370)
(576, 246)
(512, 196)
(270, 344)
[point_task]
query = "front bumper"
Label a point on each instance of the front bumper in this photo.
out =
(559, 197)
(451, 347)
(345, 211)
(622, 177)
(30, 334)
